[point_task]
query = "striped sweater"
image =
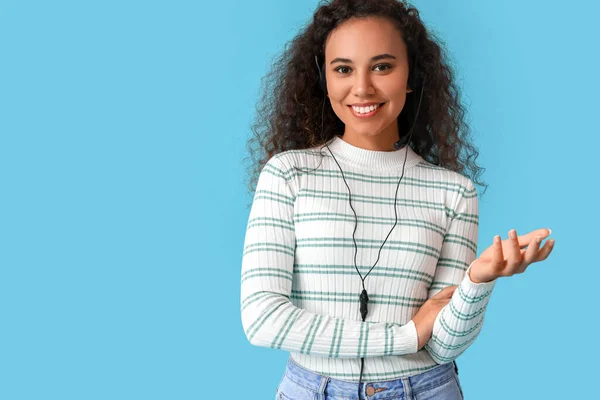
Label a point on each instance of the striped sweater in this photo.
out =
(299, 285)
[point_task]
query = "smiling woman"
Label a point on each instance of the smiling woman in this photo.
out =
(367, 82)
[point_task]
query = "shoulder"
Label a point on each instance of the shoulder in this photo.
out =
(287, 160)
(452, 180)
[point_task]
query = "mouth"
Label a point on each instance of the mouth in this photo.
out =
(367, 111)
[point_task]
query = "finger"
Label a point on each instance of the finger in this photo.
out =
(545, 250)
(532, 251)
(525, 240)
(497, 255)
(514, 257)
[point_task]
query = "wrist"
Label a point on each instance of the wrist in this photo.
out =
(476, 277)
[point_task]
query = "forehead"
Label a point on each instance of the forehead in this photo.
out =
(360, 39)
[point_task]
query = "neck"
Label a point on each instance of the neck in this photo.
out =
(380, 142)
(374, 160)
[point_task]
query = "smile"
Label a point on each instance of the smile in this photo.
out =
(365, 112)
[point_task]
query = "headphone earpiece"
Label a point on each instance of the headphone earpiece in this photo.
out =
(321, 69)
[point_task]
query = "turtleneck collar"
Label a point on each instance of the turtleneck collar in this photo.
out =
(374, 160)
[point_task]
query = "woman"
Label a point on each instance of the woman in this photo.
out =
(363, 133)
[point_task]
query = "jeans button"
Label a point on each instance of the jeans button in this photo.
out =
(370, 391)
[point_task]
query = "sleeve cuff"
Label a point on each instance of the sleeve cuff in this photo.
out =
(413, 336)
(477, 286)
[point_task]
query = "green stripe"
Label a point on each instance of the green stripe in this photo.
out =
(271, 222)
(389, 179)
(267, 246)
(344, 269)
(452, 263)
(471, 218)
(335, 332)
(463, 316)
(352, 272)
(382, 302)
(441, 359)
(261, 195)
(371, 200)
(255, 297)
(445, 346)
(469, 299)
(452, 238)
(314, 334)
(413, 247)
(455, 333)
(360, 338)
(273, 170)
(288, 322)
(333, 216)
(339, 343)
(267, 274)
(354, 296)
(298, 311)
(260, 321)
(376, 375)
(266, 269)
(367, 325)
(308, 335)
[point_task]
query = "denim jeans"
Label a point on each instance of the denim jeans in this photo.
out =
(439, 383)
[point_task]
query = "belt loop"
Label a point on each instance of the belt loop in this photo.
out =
(407, 388)
(322, 385)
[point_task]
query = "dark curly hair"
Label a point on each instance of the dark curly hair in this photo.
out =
(289, 115)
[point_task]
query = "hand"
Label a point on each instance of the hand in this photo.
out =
(428, 312)
(493, 263)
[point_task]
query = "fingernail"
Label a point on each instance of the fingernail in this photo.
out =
(550, 231)
(551, 242)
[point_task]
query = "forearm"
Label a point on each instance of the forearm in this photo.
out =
(271, 320)
(458, 324)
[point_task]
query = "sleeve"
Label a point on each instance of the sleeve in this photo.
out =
(459, 322)
(269, 318)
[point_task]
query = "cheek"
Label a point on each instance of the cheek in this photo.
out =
(338, 107)
(398, 99)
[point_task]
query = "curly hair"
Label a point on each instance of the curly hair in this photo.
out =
(289, 113)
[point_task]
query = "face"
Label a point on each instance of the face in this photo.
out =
(366, 62)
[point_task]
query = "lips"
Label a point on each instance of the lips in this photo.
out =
(367, 115)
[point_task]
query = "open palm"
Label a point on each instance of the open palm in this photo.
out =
(513, 255)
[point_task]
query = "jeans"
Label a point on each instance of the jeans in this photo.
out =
(439, 383)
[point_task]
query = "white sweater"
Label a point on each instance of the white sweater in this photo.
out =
(299, 285)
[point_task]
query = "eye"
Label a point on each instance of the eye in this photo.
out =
(385, 67)
(388, 66)
(338, 69)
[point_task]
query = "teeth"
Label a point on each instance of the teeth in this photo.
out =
(365, 110)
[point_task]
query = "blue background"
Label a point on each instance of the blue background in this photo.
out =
(123, 189)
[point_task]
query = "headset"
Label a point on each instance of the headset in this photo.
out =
(416, 80)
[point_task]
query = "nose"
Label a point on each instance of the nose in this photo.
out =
(363, 86)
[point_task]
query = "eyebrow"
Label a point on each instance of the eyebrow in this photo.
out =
(376, 58)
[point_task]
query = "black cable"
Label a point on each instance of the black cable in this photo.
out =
(364, 298)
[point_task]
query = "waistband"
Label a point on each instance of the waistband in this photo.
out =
(326, 385)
